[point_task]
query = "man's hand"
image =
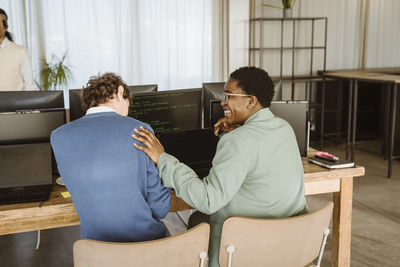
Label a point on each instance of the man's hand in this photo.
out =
(153, 148)
(222, 125)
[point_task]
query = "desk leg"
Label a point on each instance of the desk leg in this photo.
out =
(339, 112)
(322, 114)
(392, 129)
(349, 111)
(341, 228)
(386, 128)
(354, 128)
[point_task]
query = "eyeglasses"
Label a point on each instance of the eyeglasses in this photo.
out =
(227, 95)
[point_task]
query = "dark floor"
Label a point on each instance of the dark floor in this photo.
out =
(375, 225)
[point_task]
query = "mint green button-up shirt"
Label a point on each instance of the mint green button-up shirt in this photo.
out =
(256, 172)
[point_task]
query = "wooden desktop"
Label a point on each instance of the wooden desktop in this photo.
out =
(60, 211)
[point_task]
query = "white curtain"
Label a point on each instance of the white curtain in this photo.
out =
(382, 34)
(171, 43)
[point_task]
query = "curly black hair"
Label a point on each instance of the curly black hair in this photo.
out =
(255, 81)
(99, 89)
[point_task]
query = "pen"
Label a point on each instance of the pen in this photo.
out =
(327, 156)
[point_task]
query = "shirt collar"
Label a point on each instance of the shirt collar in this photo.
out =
(5, 43)
(261, 115)
(93, 110)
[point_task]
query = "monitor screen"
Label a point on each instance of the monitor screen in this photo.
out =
(75, 100)
(195, 148)
(294, 112)
(29, 126)
(212, 92)
(75, 104)
(25, 165)
(134, 89)
(169, 110)
(30, 100)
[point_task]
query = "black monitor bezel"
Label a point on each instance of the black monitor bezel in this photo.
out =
(145, 88)
(210, 95)
(12, 101)
(75, 107)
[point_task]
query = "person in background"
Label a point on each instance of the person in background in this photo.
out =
(257, 169)
(15, 65)
(115, 188)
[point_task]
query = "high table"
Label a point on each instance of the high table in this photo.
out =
(60, 211)
(389, 76)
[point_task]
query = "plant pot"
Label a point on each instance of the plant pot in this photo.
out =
(287, 12)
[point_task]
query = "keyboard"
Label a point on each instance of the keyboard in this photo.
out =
(25, 194)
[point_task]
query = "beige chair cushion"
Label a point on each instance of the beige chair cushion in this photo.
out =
(293, 241)
(179, 250)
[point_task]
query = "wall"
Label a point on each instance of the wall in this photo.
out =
(239, 14)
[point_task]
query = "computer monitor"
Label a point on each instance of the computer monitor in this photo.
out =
(75, 99)
(134, 89)
(216, 112)
(75, 104)
(29, 127)
(25, 165)
(11, 101)
(195, 148)
(212, 92)
(172, 110)
(294, 112)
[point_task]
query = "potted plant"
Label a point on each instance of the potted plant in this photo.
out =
(54, 74)
(287, 7)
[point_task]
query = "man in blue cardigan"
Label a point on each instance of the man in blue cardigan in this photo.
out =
(115, 188)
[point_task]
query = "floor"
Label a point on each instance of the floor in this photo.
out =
(375, 227)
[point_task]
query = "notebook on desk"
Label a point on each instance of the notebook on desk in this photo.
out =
(340, 164)
(195, 148)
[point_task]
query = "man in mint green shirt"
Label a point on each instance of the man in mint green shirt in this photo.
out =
(257, 169)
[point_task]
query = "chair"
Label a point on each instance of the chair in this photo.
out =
(186, 249)
(294, 241)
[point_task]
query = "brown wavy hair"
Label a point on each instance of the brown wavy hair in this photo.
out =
(101, 88)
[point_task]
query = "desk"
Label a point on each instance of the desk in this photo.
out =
(59, 212)
(385, 76)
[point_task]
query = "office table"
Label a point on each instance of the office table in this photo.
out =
(60, 212)
(389, 76)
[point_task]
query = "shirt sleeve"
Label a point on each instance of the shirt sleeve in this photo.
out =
(26, 72)
(229, 169)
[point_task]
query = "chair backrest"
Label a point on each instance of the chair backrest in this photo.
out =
(294, 241)
(185, 249)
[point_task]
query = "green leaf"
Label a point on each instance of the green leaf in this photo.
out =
(268, 5)
(54, 73)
